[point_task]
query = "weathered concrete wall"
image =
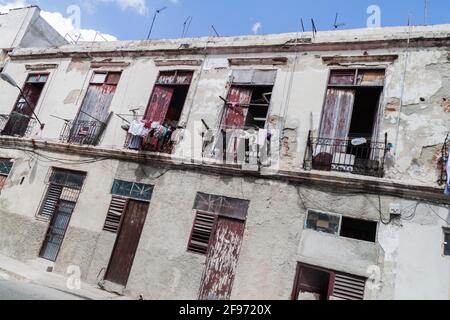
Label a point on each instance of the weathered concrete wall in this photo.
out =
(296, 108)
(274, 239)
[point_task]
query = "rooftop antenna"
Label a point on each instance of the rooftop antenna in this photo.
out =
(158, 11)
(186, 25)
(336, 24)
(425, 12)
(302, 25)
(215, 31)
(314, 29)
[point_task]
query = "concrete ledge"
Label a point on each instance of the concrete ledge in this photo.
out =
(320, 179)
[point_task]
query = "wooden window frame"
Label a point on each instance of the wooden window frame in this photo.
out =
(446, 231)
(331, 283)
(121, 215)
(338, 234)
(213, 230)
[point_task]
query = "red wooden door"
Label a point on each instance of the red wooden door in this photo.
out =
(222, 259)
(337, 113)
(235, 113)
(127, 241)
(159, 103)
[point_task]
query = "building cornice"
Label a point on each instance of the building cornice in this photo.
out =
(86, 52)
(342, 182)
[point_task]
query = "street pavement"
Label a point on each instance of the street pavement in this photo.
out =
(19, 290)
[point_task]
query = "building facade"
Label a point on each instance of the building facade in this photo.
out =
(291, 166)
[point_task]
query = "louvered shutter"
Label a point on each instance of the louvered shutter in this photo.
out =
(201, 232)
(51, 200)
(2, 181)
(115, 211)
(348, 287)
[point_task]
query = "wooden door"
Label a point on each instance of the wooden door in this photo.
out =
(127, 242)
(222, 259)
(159, 103)
(337, 114)
(234, 119)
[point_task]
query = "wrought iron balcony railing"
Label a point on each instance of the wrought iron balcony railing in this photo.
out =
(16, 124)
(82, 132)
(354, 155)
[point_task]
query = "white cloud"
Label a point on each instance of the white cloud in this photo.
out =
(256, 27)
(66, 28)
(139, 6)
(6, 6)
(64, 25)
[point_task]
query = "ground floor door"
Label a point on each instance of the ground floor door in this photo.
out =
(221, 260)
(127, 241)
(56, 230)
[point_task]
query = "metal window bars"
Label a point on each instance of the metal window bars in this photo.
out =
(82, 132)
(16, 124)
(362, 156)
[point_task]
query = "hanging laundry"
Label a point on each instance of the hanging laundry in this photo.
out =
(262, 137)
(135, 143)
(138, 128)
(177, 135)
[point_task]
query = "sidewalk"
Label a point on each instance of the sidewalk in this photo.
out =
(11, 269)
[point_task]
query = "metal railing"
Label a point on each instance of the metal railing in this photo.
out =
(151, 144)
(16, 124)
(243, 146)
(354, 155)
(82, 132)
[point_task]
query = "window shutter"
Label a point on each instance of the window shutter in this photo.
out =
(2, 181)
(116, 208)
(348, 287)
(201, 232)
(51, 200)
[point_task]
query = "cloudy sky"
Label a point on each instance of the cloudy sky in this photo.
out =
(131, 19)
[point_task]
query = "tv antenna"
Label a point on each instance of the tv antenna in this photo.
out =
(186, 25)
(313, 25)
(215, 31)
(336, 24)
(157, 11)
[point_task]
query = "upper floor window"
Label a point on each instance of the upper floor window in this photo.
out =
(160, 129)
(19, 121)
(349, 133)
(5, 169)
(340, 225)
(447, 242)
(93, 115)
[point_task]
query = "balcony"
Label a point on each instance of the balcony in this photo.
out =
(248, 146)
(82, 132)
(361, 156)
(16, 124)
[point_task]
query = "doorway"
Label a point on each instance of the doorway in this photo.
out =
(221, 260)
(127, 241)
(22, 113)
(57, 230)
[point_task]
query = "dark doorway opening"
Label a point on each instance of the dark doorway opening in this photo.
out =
(358, 229)
(311, 284)
(259, 107)
(364, 113)
(176, 105)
